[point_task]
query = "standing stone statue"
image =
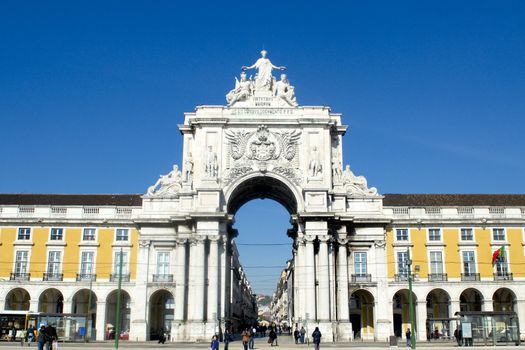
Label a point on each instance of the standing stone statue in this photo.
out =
(285, 91)
(188, 168)
(211, 166)
(243, 90)
(264, 78)
(315, 167)
(337, 171)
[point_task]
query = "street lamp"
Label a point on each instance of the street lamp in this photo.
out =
(411, 302)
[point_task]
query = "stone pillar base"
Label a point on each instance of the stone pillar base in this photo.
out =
(138, 331)
(326, 330)
(193, 331)
(383, 330)
(344, 332)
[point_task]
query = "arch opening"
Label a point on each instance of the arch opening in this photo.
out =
(438, 313)
(362, 314)
(111, 314)
(401, 312)
(261, 187)
(17, 299)
(161, 313)
(81, 305)
(51, 301)
(504, 299)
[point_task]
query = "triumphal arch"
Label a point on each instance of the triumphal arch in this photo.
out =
(264, 144)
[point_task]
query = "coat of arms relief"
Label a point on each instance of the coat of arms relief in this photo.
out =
(262, 150)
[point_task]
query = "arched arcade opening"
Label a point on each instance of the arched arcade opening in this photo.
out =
(362, 314)
(17, 299)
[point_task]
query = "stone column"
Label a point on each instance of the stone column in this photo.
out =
(213, 281)
(331, 271)
(309, 268)
(139, 315)
(300, 281)
(180, 289)
(225, 280)
(196, 283)
(323, 309)
(383, 309)
(295, 290)
(421, 320)
(101, 321)
(487, 305)
(344, 332)
(453, 307)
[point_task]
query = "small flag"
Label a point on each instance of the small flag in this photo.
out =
(498, 254)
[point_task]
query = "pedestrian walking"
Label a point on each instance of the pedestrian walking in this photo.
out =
(227, 338)
(316, 337)
(215, 343)
(30, 334)
(251, 343)
(245, 336)
(296, 335)
(302, 333)
(408, 335)
(41, 339)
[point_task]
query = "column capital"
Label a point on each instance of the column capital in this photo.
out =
(144, 243)
(324, 238)
(181, 241)
(197, 240)
(214, 239)
(342, 241)
(300, 241)
(309, 238)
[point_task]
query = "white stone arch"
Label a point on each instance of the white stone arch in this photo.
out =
(19, 303)
(483, 299)
(271, 176)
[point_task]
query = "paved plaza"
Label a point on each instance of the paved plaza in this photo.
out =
(285, 343)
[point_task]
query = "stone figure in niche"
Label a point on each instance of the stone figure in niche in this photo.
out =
(315, 167)
(285, 91)
(356, 184)
(243, 90)
(264, 79)
(168, 184)
(337, 171)
(211, 166)
(188, 168)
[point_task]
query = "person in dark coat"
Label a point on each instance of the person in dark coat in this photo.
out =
(408, 336)
(41, 339)
(272, 337)
(296, 335)
(316, 337)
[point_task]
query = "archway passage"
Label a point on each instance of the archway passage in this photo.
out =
(81, 305)
(504, 299)
(51, 301)
(161, 307)
(111, 314)
(401, 312)
(438, 311)
(262, 187)
(362, 314)
(471, 300)
(17, 299)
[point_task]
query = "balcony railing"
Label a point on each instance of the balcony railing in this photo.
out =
(503, 276)
(86, 277)
(361, 278)
(53, 277)
(114, 277)
(401, 277)
(437, 277)
(470, 277)
(162, 278)
(19, 276)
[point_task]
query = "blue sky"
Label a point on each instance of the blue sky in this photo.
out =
(91, 92)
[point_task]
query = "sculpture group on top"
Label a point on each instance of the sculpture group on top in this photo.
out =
(352, 184)
(263, 83)
(167, 185)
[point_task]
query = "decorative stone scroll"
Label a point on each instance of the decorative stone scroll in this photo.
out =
(356, 185)
(167, 185)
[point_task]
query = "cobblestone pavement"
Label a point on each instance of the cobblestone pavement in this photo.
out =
(285, 343)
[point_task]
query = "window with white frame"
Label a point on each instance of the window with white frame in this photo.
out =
(122, 235)
(498, 234)
(21, 262)
(89, 234)
(402, 234)
(116, 262)
(57, 234)
(24, 234)
(502, 265)
(360, 263)
(436, 262)
(163, 263)
(402, 267)
(467, 234)
(87, 263)
(469, 262)
(434, 234)
(53, 262)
